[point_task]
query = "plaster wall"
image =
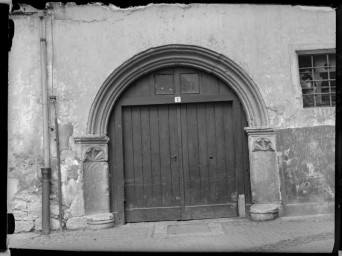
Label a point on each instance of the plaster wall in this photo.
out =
(87, 43)
(306, 159)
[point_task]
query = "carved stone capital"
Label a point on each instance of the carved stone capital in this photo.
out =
(95, 154)
(93, 147)
(262, 144)
(261, 139)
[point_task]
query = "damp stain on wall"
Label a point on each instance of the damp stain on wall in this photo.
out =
(307, 163)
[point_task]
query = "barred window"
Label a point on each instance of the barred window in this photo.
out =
(317, 72)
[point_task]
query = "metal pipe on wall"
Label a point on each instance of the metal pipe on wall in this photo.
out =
(46, 170)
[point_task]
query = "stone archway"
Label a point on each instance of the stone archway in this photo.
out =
(171, 55)
(187, 56)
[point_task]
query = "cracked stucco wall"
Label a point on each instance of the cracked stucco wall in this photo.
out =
(307, 161)
(87, 43)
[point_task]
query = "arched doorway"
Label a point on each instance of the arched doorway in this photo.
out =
(178, 147)
(205, 61)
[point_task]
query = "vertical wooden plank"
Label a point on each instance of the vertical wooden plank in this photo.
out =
(137, 159)
(229, 149)
(151, 84)
(238, 147)
(211, 140)
(155, 155)
(246, 168)
(164, 146)
(208, 85)
(220, 153)
(175, 159)
(146, 155)
(180, 145)
(224, 89)
(203, 153)
(176, 79)
(130, 92)
(193, 157)
(145, 87)
(137, 88)
(128, 157)
(118, 183)
(185, 155)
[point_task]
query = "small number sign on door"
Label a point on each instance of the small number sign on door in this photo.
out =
(177, 99)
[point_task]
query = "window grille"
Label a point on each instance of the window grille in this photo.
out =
(317, 72)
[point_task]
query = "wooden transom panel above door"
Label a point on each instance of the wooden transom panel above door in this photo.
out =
(178, 149)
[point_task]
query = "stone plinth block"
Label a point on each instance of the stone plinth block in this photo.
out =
(265, 181)
(263, 212)
(100, 221)
(96, 187)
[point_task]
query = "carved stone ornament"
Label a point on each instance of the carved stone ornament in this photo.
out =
(262, 144)
(94, 155)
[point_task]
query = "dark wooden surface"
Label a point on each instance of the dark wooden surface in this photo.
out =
(173, 161)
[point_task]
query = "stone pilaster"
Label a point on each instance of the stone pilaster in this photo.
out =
(264, 173)
(94, 152)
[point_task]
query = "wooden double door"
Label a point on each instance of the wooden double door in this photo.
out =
(183, 152)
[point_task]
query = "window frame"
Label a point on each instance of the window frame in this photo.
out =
(312, 52)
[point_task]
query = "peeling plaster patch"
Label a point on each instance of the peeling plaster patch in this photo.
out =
(73, 172)
(329, 191)
(65, 132)
(27, 211)
(307, 163)
(70, 191)
(64, 175)
(89, 14)
(311, 169)
(141, 7)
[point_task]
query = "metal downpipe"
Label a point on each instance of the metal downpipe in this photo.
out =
(46, 170)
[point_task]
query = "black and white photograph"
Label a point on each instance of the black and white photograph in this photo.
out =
(172, 127)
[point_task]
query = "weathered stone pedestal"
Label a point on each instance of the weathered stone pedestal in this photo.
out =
(262, 212)
(94, 151)
(265, 181)
(100, 221)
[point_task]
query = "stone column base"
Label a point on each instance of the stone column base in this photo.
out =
(100, 221)
(262, 212)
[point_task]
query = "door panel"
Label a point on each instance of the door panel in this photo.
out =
(208, 184)
(146, 155)
(173, 161)
(151, 181)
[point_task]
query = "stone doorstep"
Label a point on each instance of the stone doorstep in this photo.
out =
(167, 230)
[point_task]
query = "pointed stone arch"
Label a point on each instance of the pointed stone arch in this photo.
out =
(176, 55)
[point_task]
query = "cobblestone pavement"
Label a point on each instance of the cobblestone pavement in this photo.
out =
(286, 234)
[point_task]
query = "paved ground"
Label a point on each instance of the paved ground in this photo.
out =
(286, 234)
